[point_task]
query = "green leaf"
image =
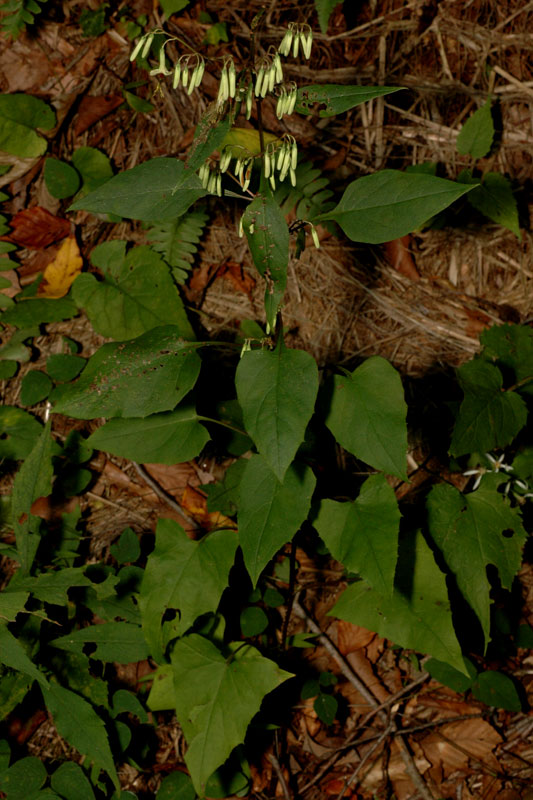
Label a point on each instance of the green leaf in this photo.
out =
(496, 689)
(277, 390)
(209, 135)
(169, 438)
(488, 417)
(33, 480)
(7, 370)
(176, 786)
(224, 496)
(13, 655)
(137, 294)
(337, 98)
(449, 676)
(473, 531)
(323, 10)
(11, 604)
(115, 641)
(93, 166)
(184, 575)
(137, 103)
(18, 432)
(160, 190)
(35, 387)
(216, 698)
(253, 621)
(476, 136)
(363, 535)
(70, 782)
(511, 346)
(23, 778)
(127, 549)
(161, 697)
(20, 115)
(60, 178)
(173, 6)
(14, 687)
(417, 615)
(64, 367)
(132, 379)
(495, 199)
(309, 198)
(177, 242)
(367, 415)
(326, 707)
(389, 204)
(270, 512)
(36, 310)
(125, 702)
(268, 239)
(80, 725)
(52, 587)
(93, 22)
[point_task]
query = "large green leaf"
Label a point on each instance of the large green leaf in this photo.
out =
(169, 438)
(115, 641)
(184, 575)
(495, 199)
(80, 725)
(160, 190)
(271, 512)
(417, 615)
(268, 238)
(136, 295)
(70, 782)
(51, 587)
(11, 604)
(363, 535)
(367, 415)
(20, 115)
(277, 390)
(33, 480)
(488, 417)
(132, 379)
(216, 698)
(13, 655)
(473, 531)
(512, 346)
(18, 432)
(23, 779)
(337, 97)
(31, 311)
(476, 135)
(388, 204)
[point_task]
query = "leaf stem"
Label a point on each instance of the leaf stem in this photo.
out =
(223, 424)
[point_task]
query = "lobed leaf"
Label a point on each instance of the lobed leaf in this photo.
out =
(216, 698)
(177, 241)
(363, 535)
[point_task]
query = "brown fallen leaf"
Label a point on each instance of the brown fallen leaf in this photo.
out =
(453, 746)
(400, 258)
(62, 271)
(352, 637)
(239, 279)
(92, 109)
(36, 227)
(51, 509)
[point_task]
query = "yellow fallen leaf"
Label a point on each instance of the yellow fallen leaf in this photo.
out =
(244, 142)
(61, 272)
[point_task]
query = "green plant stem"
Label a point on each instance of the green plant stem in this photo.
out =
(223, 424)
(290, 601)
(519, 384)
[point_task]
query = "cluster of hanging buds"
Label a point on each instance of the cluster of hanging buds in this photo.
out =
(267, 75)
(143, 46)
(243, 171)
(298, 33)
(288, 94)
(211, 179)
(227, 87)
(283, 159)
(181, 72)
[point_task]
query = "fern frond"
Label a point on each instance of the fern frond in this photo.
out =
(18, 14)
(177, 241)
(309, 197)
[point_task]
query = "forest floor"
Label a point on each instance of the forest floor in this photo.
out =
(420, 302)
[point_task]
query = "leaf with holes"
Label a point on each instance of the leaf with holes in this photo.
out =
(277, 390)
(367, 415)
(137, 293)
(473, 531)
(115, 641)
(132, 379)
(363, 535)
(337, 98)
